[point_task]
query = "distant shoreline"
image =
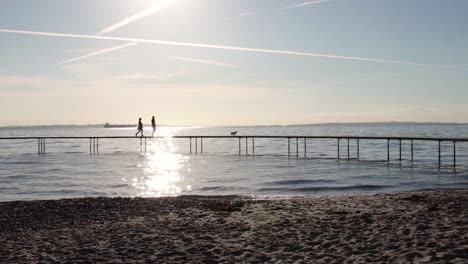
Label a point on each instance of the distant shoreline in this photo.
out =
(275, 125)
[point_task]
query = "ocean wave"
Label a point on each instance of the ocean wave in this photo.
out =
(327, 188)
(222, 188)
(298, 182)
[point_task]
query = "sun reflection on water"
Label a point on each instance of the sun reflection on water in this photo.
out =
(161, 169)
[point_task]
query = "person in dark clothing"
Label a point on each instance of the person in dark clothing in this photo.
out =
(140, 128)
(153, 124)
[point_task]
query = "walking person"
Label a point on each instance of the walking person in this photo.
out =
(140, 128)
(153, 124)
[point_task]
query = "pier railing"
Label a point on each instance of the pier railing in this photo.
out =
(94, 143)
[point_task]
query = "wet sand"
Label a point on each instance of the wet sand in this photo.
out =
(429, 227)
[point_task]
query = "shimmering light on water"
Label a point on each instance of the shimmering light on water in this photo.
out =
(161, 168)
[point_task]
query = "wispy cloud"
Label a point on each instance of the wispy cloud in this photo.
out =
(306, 4)
(372, 78)
(233, 48)
(19, 84)
(153, 76)
(73, 51)
(210, 62)
(247, 14)
(144, 13)
(99, 52)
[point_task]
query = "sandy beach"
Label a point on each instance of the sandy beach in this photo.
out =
(429, 227)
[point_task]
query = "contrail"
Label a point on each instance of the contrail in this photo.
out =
(247, 14)
(216, 63)
(129, 44)
(235, 48)
(306, 4)
(144, 13)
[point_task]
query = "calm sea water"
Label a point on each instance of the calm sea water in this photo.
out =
(167, 168)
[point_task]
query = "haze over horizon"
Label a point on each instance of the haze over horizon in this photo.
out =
(233, 62)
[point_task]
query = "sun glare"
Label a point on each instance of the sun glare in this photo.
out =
(161, 168)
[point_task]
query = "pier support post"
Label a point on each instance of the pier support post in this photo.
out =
(247, 146)
(196, 146)
(358, 154)
(388, 150)
(400, 149)
(41, 146)
(239, 146)
(305, 147)
(201, 145)
(338, 148)
(348, 148)
(253, 146)
(440, 161)
(289, 147)
(412, 150)
(97, 145)
(90, 143)
(454, 154)
(190, 146)
(297, 147)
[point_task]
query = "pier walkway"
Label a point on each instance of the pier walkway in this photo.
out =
(196, 140)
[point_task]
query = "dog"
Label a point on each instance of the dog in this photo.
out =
(233, 133)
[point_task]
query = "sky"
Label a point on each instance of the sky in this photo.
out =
(233, 62)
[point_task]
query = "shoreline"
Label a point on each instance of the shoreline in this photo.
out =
(419, 227)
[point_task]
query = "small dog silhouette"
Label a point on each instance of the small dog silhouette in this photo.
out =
(233, 133)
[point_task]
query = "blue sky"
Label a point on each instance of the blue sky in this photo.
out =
(392, 60)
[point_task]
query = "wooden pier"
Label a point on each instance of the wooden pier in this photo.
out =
(198, 140)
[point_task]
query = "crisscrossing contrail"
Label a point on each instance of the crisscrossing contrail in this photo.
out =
(306, 4)
(233, 48)
(203, 61)
(144, 13)
(103, 51)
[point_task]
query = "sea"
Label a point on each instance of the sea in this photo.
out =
(123, 168)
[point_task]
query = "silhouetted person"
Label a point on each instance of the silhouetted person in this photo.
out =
(153, 124)
(140, 128)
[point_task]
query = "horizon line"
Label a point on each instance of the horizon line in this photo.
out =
(270, 125)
